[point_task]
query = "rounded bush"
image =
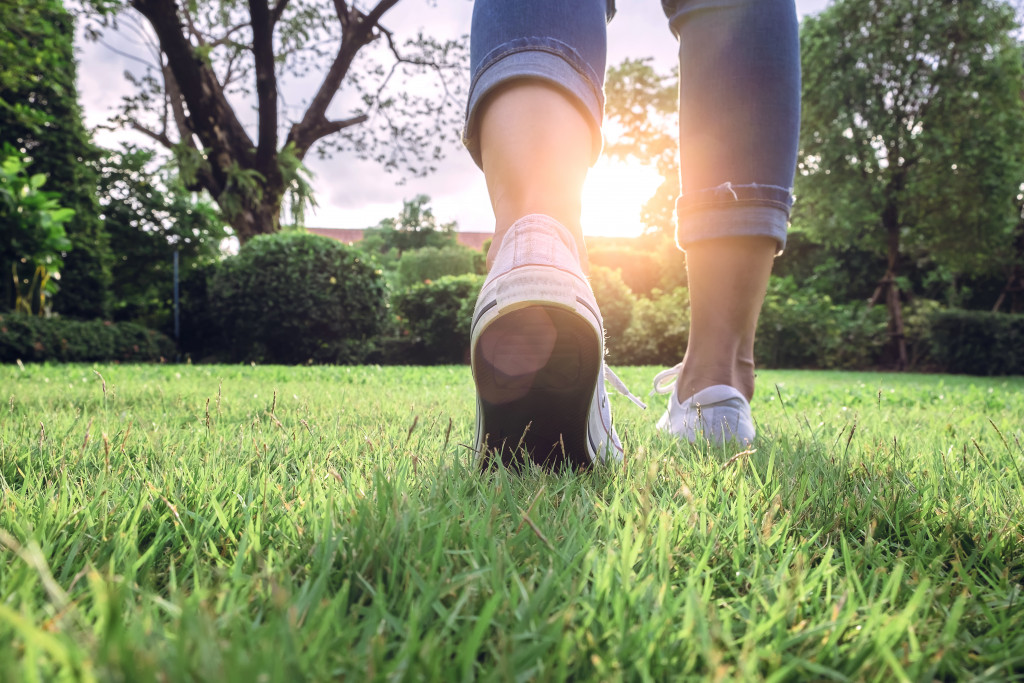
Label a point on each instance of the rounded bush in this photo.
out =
(298, 298)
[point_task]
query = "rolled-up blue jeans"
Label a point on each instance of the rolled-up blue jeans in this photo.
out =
(739, 96)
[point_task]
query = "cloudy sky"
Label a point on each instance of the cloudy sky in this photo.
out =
(354, 194)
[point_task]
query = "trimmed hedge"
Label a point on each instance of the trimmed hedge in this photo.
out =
(657, 332)
(433, 263)
(977, 342)
(33, 339)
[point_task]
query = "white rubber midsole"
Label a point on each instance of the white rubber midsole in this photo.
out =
(534, 286)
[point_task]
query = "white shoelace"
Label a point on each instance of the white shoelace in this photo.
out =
(620, 387)
(664, 380)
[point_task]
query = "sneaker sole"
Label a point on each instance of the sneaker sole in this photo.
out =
(536, 370)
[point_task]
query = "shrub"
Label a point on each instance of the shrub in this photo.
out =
(297, 298)
(29, 338)
(917, 323)
(797, 328)
(433, 263)
(978, 342)
(657, 332)
(641, 270)
(435, 317)
(800, 328)
(201, 336)
(615, 300)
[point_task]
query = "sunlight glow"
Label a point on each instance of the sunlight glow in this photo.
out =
(613, 196)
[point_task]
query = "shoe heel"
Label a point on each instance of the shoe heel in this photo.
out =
(536, 369)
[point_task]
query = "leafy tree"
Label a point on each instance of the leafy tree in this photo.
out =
(40, 116)
(415, 227)
(640, 108)
(33, 226)
(211, 61)
(149, 215)
(912, 135)
(1014, 287)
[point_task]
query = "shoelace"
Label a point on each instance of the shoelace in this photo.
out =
(620, 387)
(664, 380)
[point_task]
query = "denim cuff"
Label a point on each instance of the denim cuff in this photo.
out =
(734, 211)
(545, 59)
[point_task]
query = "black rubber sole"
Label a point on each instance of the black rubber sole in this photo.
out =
(536, 370)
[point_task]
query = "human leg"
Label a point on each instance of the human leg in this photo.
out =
(535, 149)
(533, 126)
(739, 123)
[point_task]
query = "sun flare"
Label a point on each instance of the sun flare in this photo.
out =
(613, 196)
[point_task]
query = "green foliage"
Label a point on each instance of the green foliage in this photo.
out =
(977, 342)
(641, 105)
(44, 122)
(615, 300)
(33, 233)
(148, 215)
(298, 298)
(201, 336)
(658, 331)
(431, 263)
(415, 227)
(641, 270)
(30, 338)
(800, 328)
(436, 318)
(844, 272)
(33, 60)
(913, 129)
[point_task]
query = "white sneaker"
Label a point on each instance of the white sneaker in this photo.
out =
(538, 355)
(718, 414)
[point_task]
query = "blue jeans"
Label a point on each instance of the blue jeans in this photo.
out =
(739, 96)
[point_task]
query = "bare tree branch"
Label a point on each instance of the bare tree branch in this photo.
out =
(357, 32)
(152, 134)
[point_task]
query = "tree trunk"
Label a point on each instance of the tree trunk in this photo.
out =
(256, 217)
(887, 286)
(890, 291)
(1015, 281)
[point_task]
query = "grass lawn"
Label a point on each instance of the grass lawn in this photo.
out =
(211, 523)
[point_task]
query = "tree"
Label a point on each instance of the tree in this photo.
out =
(149, 216)
(415, 227)
(641, 110)
(211, 61)
(41, 118)
(911, 144)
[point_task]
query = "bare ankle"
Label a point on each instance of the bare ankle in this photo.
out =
(695, 375)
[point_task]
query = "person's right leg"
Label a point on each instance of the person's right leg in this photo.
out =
(739, 124)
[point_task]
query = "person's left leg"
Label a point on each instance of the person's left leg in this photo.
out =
(535, 151)
(739, 123)
(533, 125)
